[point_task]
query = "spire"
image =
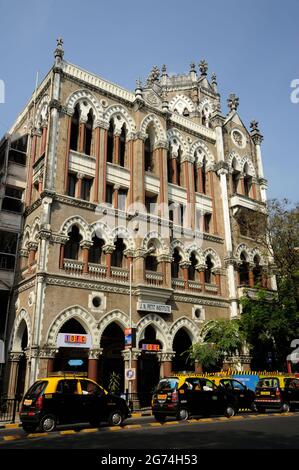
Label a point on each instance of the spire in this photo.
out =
(192, 72)
(214, 82)
(59, 52)
(164, 71)
(138, 89)
(255, 132)
(233, 102)
(153, 76)
(254, 126)
(203, 67)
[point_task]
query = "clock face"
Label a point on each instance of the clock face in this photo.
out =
(238, 138)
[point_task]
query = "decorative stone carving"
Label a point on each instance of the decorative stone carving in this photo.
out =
(203, 67)
(233, 102)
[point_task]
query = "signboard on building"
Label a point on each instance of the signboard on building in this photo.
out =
(130, 338)
(151, 347)
(130, 374)
(153, 307)
(72, 340)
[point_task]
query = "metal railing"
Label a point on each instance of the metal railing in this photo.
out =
(9, 408)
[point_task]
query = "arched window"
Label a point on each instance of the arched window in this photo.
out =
(203, 118)
(186, 113)
(235, 176)
(151, 263)
(192, 268)
(72, 246)
(88, 133)
(195, 176)
(110, 142)
(118, 254)
(208, 270)
(247, 180)
(244, 270)
(169, 167)
(148, 155)
(75, 129)
(96, 250)
(122, 146)
(257, 270)
(175, 265)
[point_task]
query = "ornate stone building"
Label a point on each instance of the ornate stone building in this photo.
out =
(144, 187)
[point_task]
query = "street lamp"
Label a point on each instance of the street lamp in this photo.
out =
(150, 250)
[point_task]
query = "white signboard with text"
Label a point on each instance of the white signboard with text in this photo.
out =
(153, 307)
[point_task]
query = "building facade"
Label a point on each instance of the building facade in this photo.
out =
(132, 220)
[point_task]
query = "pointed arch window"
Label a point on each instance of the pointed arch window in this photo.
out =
(235, 177)
(117, 258)
(148, 155)
(72, 246)
(178, 163)
(75, 129)
(257, 270)
(204, 175)
(88, 133)
(244, 270)
(95, 252)
(192, 268)
(110, 142)
(208, 270)
(122, 146)
(247, 181)
(175, 265)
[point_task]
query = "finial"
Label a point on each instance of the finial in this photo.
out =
(254, 126)
(233, 102)
(153, 76)
(59, 52)
(192, 67)
(203, 67)
(163, 70)
(138, 88)
(138, 83)
(214, 78)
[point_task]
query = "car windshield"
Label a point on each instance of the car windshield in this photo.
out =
(36, 389)
(269, 382)
(166, 385)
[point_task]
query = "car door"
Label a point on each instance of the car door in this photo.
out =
(93, 400)
(211, 398)
(68, 401)
(243, 395)
(292, 392)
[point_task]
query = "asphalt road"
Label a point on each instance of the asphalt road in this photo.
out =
(271, 431)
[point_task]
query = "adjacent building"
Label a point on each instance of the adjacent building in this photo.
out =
(132, 219)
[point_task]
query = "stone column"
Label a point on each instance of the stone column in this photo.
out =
(199, 177)
(184, 266)
(85, 246)
(32, 249)
(116, 188)
(14, 359)
(93, 360)
(61, 252)
(40, 184)
(217, 273)
(23, 254)
(115, 158)
(131, 168)
(163, 194)
(108, 250)
(201, 271)
(67, 152)
(78, 189)
(166, 362)
(212, 194)
(34, 135)
(134, 364)
(174, 176)
(165, 262)
(138, 183)
(44, 127)
(251, 276)
(82, 129)
(103, 161)
(97, 136)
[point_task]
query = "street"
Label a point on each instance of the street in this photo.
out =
(244, 431)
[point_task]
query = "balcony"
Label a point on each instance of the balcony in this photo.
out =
(97, 271)
(120, 275)
(211, 289)
(73, 267)
(238, 201)
(154, 278)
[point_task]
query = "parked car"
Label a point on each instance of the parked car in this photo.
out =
(187, 395)
(64, 399)
(278, 392)
(244, 396)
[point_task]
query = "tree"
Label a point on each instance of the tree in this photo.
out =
(222, 338)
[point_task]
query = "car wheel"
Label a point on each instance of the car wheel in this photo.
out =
(115, 418)
(47, 423)
(183, 414)
(229, 411)
(285, 408)
(159, 417)
(29, 427)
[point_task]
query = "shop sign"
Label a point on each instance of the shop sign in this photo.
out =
(71, 340)
(130, 338)
(151, 347)
(153, 307)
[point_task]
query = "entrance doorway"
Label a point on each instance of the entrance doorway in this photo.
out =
(181, 344)
(74, 359)
(148, 374)
(112, 364)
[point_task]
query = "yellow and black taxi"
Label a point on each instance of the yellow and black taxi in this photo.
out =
(66, 399)
(183, 396)
(244, 396)
(278, 392)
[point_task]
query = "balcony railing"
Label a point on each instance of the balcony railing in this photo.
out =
(211, 288)
(154, 278)
(97, 271)
(73, 266)
(178, 284)
(120, 274)
(194, 286)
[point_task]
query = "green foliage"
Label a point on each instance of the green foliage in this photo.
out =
(114, 382)
(222, 338)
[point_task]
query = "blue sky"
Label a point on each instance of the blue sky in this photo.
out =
(253, 46)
